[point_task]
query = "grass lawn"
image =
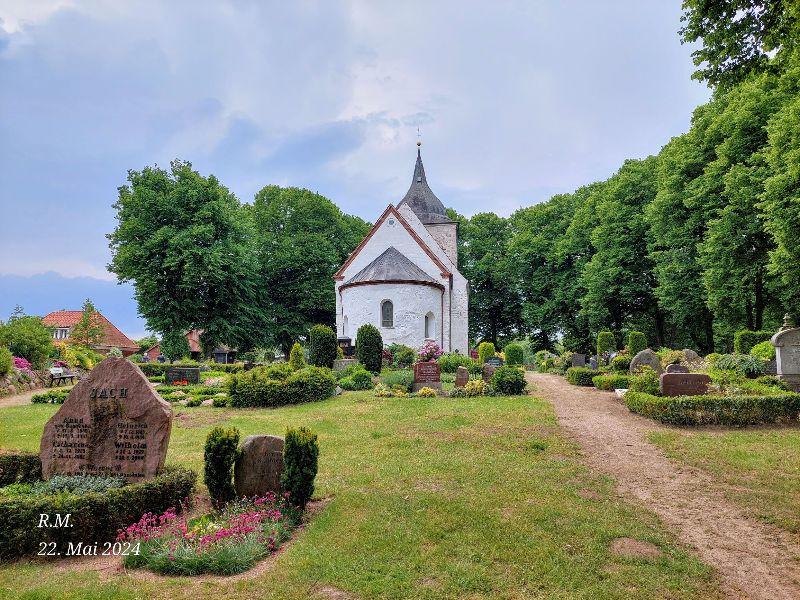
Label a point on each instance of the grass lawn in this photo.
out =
(760, 467)
(431, 498)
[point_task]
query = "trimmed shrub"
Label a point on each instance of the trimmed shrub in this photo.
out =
(743, 341)
(508, 381)
(605, 343)
(646, 381)
(311, 384)
(95, 516)
(296, 360)
(6, 361)
(773, 381)
(734, 411)
(300, 456)
(23, 467)
(369, 348)
(514, 354)
(322, 346)
(450, 362)
(637, 341)
(50, 397)
(193, 402)
(220, 401)
(402, 355)
(359, 379)
(743, 364)
(763, 350)
(486, 350)
(277, 385)
(581, 375)
(621, 363)
(611, 382)
(403, 378)
(222, 447)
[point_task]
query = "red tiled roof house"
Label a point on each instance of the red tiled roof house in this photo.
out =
(63, 322)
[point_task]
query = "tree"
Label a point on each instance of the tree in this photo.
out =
(174, 345)
(27, 337)
(738, 36)
(147, 342)
(322, 346)
(302, 239)
(185, 242)
(88, 331)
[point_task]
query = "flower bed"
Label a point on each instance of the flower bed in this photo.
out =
(223, 543)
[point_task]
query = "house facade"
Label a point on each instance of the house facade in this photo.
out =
(63, 322)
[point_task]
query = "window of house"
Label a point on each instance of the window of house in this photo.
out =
(387, 313)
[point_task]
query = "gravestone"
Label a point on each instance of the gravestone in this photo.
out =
(487, 371)
(259, 466)
(690, 355)
(340, 364)
(677, 369)
(113, 423)
(191, 375)
(578, 360)
(787, 353)
(684, 384)
(427, 374)
(495, 361)
(646, 358)
(462, 376)
(593, 362)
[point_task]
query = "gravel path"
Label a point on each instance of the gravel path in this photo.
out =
(755, 560)
(23, 398)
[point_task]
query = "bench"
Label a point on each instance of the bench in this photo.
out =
(60, 375)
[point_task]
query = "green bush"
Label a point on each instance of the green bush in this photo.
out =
(646, 381)
(300, 456)
(402, 377)
(605, 343)
(6, 361)
(222, 447)
(94, 516)
(27, 338)
(50, 397)
(322, 346)
(514, 354)
(359, 379)
(581, 375)
(20, 467)
(369, 348)
(743, 341)
(611, 382)
(296, 360)
(277, 385)
(76, 484)
(220, 401)
(743, 364)
(621, 363)
(193, 402)
(637, 341)
(485, 351)
(763, 350)
(508, 381)
(773, 381)
(734, 411)
(311, 384)
(450, 361)
(174, 345)
(402, 355)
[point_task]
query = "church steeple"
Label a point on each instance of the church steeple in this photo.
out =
(421, 199)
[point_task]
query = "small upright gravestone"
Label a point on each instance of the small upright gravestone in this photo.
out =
(427, 374)
(190, 375)
(684, 384)
(578, 360)
(112, 424)
(487, 371)
(259, 466)
(677, 369)
(462, 376)
(593, 362)
(646, 358)
(787, 353)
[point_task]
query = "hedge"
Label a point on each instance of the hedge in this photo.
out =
(322, 346)
(605, 343)
(611, 382)
(277, 385)
(19, 467)
(734, 411)
(94, 516)
(157, 369)
(743, 341)
(50, 397)
(450, 361)
(637, 341)
(508, 381)
(514, 354)
(581, 375)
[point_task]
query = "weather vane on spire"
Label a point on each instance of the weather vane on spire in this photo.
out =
(419, 142)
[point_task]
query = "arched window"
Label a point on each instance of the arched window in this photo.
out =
(430, 326)
(344, 326)
(387, 314)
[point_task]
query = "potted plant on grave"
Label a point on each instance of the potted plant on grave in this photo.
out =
(429, 352)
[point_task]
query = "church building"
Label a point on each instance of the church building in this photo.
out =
(403, 276)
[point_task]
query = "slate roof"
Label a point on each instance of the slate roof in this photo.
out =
(391, 265)
(421, 198)
(111, 335)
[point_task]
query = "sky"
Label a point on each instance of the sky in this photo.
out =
(514, 101)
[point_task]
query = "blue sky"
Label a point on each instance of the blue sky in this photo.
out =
(515, 102)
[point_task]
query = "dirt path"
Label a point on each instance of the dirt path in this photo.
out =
(756, 560)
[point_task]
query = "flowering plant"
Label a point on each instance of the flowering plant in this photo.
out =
(22, 364)
(430, 351)
(60, 364)
(224, 543)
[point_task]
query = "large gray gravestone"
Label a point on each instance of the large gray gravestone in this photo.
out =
(646, 358)
(259, 466)
(113, 423)
(787, 354)
(578, 360)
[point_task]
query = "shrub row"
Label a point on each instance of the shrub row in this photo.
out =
(735, 411)
(157, 369)
(94, 517)
(24, 467)
(278, 385)
(450, 361)
(611, 382)
(581, 375)
(50, 397)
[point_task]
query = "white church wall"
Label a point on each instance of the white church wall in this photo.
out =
(446, 236)
(410, 302)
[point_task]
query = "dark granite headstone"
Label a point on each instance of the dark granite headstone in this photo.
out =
(259, 466)
(578, 360)
(495, 361)
(677, 369)
(427, 374)
(462, 376)
(684, 384)
(191, 375)
(113, 423)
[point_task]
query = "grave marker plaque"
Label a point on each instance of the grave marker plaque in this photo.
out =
(112, 424)
(427, 374)
(578, 360)
(259, 466)
(190, 375)
(684, 384)
(495, 361)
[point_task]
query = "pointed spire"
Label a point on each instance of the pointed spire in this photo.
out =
(421, 199)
